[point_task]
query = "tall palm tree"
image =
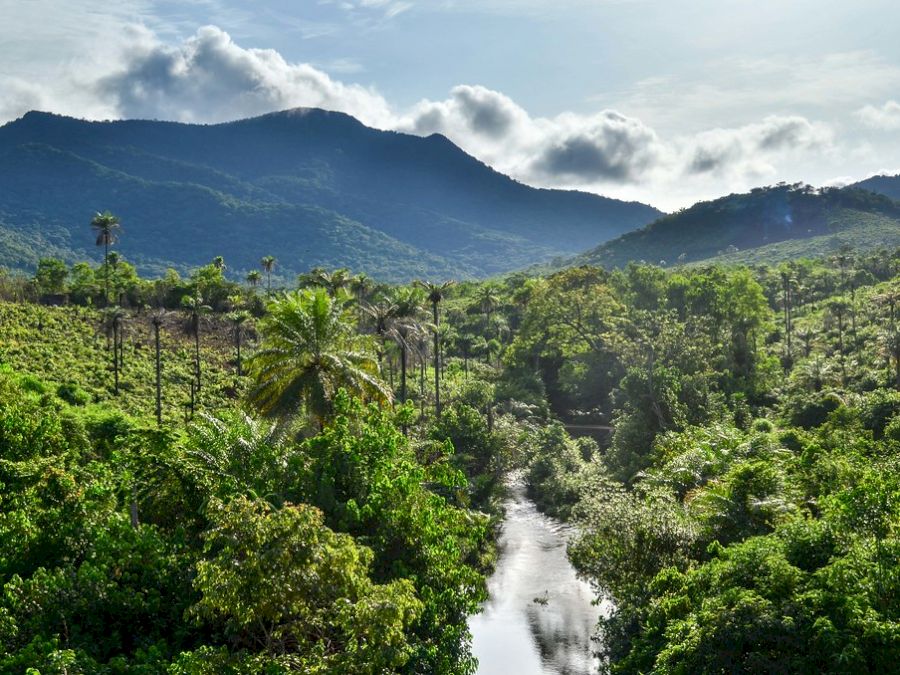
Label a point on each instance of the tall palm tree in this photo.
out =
(113, 318)
(381, 314)
(405, 327)
(107, 227)
(239, 318)
(157, 320)
(405, 332)
(435, 294)
(838, 308)
(309, 351)
(195, 308)
(268, 264)
(488, 300)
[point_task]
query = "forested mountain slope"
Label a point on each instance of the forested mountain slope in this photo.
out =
(309, 186)
(810, 221)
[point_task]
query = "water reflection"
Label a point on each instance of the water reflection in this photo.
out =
(516, 633)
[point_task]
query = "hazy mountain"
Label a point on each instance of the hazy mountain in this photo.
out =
(769, 223)
(308, 186)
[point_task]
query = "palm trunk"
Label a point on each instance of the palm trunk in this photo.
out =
(238, 342)
(106, 271)
(437, 362)
(197, 353)
(403, 374)
(115, 356)
(158, 378)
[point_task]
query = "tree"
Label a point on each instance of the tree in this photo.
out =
(487, 300)
(381, 314)
(238, 318)
(405, 328)
(435, 294)
(282, 581)
(113, 319)
(268, 264)
(195, 308)
(107, 227)
(319, 277)
(838, 308)
(50, 276)
(309, 351)
(253, 278)
(157, 321)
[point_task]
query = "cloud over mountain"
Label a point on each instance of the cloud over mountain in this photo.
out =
(208, 77)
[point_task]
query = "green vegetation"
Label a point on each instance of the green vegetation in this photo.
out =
(331, 507)
(742, 515)
(314, 187)
(766, 225)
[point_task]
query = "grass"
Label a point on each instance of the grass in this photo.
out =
(66, 347)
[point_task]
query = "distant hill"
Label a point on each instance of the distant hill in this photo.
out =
(889, 186)
(766, 224)
(308, 186)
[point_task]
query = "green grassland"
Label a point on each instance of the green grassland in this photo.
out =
(66, 347)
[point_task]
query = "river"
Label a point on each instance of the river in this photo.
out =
(539, 618)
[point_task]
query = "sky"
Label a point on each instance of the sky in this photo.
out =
(663, 101)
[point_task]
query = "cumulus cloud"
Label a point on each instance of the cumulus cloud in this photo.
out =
(749, 150)
(582, 149)
(209, 78)
(885, 117)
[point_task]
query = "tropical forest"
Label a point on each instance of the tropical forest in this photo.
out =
(208, 474)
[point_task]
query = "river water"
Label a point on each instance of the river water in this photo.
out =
(515, 635)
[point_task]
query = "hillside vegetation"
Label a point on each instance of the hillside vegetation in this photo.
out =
(316, 187)
(766, 224)
(333, 508)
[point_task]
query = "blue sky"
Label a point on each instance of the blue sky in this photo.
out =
(666, 102)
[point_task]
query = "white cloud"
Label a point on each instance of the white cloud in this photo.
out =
(885, 117)
(209, 78)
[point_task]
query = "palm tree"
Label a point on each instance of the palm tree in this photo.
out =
(405, 327)
(107, 227)
(405, 332)
(268, 264)
(319, 277)
(435, 293)
(381, 314)
(488, 299)
(787, 298)
(239, 318)
(254, 278)
(309, 351)
(838, 309)
(157, 321)
(195, 309)
(113, 317)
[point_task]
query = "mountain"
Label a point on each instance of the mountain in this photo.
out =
(889, 186)
(309, 186)
(766, 224)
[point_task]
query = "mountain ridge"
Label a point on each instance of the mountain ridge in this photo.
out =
(318, 187)
(731, 226)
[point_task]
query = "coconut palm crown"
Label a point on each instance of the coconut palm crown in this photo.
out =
(308, 352)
